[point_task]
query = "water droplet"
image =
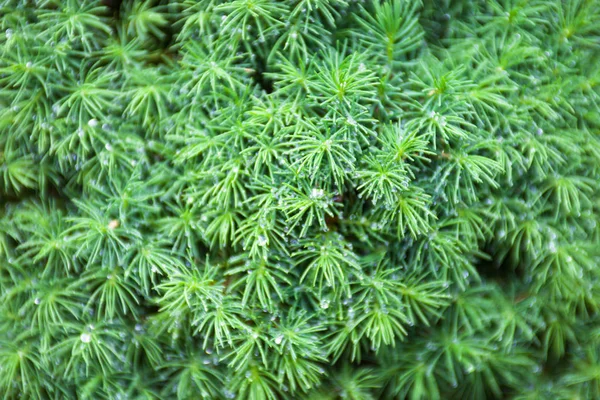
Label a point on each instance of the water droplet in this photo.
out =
(85, 337)
(317, 193)
(262, 240)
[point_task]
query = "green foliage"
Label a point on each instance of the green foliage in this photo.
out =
(313, 199)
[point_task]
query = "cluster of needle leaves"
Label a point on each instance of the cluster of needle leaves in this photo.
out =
(308, 199)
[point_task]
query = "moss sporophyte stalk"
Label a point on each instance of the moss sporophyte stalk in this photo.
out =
(299, 199)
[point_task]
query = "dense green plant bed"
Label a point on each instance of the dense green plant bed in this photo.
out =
(299, 199)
